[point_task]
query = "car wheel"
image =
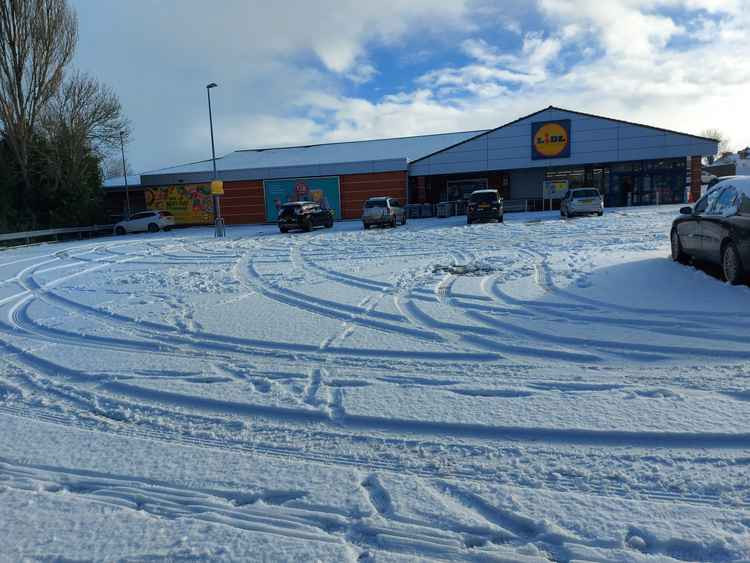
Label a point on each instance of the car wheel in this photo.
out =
(403, 219)
(393, 223)
(167, 229)
(469, 221)
(600, 213)
(678, 254)
(153, 228)
(307, 225)
(283, 230)
(329, 224)
(501, 219)
(731, 263)
(365, 226)
(120, 231)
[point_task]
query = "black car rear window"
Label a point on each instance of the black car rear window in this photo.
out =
(484, 197)
(585, 193)
(288, 210)
(370, 203)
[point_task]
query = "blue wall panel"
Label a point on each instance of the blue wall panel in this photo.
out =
(594, 140)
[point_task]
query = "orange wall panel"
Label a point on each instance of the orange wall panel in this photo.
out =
(357, 188)
(244, 202)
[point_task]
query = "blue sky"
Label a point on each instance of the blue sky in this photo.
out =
(299, 72)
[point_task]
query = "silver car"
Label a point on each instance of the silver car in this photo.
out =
(580, 201)
(383, 211)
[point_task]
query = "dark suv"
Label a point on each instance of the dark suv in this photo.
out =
(304, 215)
(484, 205)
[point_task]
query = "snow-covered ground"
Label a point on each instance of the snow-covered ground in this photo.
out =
(542, 389)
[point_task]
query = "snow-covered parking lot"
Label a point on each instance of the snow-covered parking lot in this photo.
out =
(542, 389)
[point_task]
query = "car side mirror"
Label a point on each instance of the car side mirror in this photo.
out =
(686, 211)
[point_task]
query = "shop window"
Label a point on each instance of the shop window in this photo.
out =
(458, 190)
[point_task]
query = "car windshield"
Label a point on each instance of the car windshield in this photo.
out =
(375, 203)
(578, 194)
(484, 197)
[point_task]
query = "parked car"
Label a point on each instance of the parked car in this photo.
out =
(304, 215)
(717, 229)
(151, 221)
(484, 205)
(580, 201)
(383, 211)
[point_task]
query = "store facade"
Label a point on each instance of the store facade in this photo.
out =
(532, 161)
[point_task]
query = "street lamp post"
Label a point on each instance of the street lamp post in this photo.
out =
(218, 221)
(125, 176)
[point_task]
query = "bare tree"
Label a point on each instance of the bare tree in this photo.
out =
(82, 118)
(112, 167)
(712, 133)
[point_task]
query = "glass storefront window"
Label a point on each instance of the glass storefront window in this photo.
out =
(461, 189)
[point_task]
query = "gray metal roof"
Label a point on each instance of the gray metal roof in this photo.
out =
(410, 148)
(313, 160)
(134, 181)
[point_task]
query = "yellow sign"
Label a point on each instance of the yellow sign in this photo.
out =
(217, 187)
(550, 139)
(191, 204)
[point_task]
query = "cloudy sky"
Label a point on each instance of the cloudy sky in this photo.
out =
(298, 71)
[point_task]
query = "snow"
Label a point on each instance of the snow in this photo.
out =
(542, 389)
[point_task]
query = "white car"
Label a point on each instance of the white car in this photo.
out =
(581, 201)
(383, 211)
(151, 221)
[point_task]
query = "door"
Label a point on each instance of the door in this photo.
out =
(714, 224)
(318, 216)
(397, 210)
(137, 223)
(689, 229)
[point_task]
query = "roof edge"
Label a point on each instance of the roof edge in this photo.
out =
(262, 149)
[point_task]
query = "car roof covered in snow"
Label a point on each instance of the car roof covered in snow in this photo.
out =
(297, 203)
(742, 183)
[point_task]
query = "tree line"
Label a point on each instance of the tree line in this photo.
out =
(57, 124)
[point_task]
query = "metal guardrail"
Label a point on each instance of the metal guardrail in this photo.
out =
(28, 236)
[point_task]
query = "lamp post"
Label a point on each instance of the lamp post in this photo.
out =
(125, 176)
(218, 221)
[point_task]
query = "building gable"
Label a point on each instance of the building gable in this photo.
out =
(591, 139)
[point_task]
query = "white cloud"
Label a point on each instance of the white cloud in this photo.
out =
(284, 68)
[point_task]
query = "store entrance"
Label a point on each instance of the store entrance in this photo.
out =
(624, 186)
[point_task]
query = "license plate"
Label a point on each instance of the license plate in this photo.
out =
(587, 201)
(484, 206)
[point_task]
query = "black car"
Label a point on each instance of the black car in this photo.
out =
(304, 215)
(484, 205)
(717, 229)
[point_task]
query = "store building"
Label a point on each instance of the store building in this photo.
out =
(532, 161)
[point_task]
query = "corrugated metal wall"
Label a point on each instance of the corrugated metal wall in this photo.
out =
(243, 202)
(357, 188)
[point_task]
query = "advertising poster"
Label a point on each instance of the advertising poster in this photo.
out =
(190, 204)
(324, 191)
(555, 189)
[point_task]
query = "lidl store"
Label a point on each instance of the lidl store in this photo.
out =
(532, 161)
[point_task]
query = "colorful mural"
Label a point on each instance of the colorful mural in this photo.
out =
(324, 191)
(190, 204)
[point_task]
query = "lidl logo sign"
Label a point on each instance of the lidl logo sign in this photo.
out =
(550, 139)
